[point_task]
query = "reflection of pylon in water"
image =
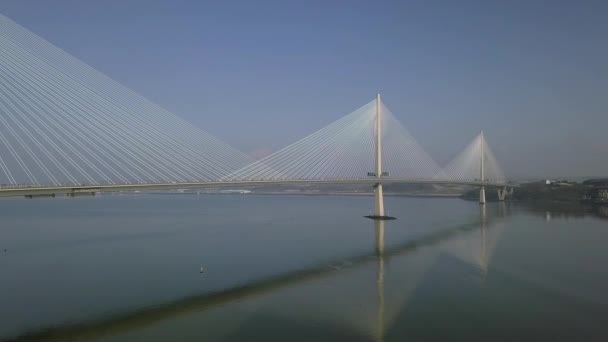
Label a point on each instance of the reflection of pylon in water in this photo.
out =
(379, 232)
(502, 209)
(483, 256)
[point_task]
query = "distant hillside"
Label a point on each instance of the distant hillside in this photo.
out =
(596, 182)
(542, 192)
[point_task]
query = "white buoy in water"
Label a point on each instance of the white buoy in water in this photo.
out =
(202, 269)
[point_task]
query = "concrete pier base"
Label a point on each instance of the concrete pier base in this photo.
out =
(378, 201)
(379, 205)
(482, 195)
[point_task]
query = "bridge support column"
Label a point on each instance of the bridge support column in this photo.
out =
(378, 201)
(482, 195)
(502, 194)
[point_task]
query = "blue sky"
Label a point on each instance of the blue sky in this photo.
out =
(262, 74)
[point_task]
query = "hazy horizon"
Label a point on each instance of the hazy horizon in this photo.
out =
(261, 76)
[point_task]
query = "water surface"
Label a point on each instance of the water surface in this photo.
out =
(127, 268)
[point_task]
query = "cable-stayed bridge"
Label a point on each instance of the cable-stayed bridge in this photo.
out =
(65, 128)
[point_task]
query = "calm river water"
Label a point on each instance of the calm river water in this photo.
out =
(298, 268)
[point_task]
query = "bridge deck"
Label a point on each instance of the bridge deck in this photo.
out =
(6, 191)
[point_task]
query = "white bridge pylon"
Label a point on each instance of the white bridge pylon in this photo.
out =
(347, 149)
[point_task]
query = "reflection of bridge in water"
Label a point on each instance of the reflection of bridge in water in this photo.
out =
(485, 250)
(67, 129)
(378, 259)
(558, 210)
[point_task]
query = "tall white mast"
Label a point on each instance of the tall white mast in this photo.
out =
(482, 191)
(379, 201)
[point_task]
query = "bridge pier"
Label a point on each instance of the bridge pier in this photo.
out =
(502, 194)
(378, 201)
(482, 195)
(379, 205)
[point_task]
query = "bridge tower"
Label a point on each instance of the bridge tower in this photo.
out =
(378, 197)
(378, 174)
(482, 191)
